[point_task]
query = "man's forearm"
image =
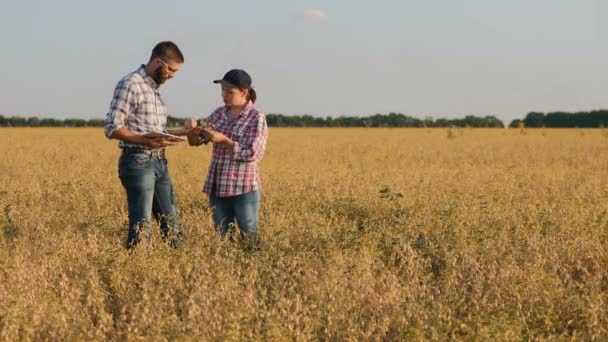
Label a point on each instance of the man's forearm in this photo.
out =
(127, 136)
(179, 132)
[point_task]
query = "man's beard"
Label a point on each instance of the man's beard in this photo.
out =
(159, 77)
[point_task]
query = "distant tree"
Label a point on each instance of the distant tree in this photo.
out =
(442, 123)
(428, 122)
(560, 119)
(17, 121)
(33, 121)
(598, 118)
(534, 119)
(74, 123)
(492, 121)
(95, 123)
(514, 123)
(274, 120)
(174, 122)
(49, 122)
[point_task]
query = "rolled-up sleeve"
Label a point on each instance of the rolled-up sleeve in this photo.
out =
(252, 144)
(121, 106)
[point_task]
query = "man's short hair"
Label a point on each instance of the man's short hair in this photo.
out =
(167, 51)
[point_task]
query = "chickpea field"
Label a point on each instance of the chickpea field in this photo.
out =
(367, 234)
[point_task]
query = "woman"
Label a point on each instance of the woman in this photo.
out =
(238, 133)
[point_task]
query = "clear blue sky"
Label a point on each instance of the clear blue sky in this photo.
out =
(440, 58)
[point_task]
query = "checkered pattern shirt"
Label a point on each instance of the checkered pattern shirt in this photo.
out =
(136, 105)
(236, 172)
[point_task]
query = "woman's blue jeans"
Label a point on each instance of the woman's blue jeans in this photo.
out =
(149, 192)
(242, 208)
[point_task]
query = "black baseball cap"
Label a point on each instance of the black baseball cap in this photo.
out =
(236, 78)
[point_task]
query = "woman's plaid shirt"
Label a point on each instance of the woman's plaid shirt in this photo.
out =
(236, 172)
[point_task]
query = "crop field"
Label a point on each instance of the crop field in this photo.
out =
(368, 234)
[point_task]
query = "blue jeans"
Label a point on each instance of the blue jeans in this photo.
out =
(244, 208)
(149, 192)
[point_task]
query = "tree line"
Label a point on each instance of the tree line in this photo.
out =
(281, 120)
(593, 119)
(17, 121)
(380, 120)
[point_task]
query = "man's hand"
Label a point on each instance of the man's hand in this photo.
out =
(179, 132)
(190, 123)
(158, 142)
(127, 136)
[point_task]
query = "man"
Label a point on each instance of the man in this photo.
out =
(137, 109)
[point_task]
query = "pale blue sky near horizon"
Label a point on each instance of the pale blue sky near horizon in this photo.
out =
(435, 58)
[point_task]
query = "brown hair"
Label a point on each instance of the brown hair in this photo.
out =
(167, 51)
(252, 96)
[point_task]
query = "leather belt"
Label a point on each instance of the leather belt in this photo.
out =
(153, 153)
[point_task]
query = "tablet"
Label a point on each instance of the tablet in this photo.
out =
(163, 135)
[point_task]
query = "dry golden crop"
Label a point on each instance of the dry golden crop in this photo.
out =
(368, 234)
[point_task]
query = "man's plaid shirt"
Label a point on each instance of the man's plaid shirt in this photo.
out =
(136, 105)
(236, 172)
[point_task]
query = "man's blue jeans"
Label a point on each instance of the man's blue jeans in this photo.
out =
(149, 192)
(244, 208)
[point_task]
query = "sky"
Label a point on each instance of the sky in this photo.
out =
(431, 58)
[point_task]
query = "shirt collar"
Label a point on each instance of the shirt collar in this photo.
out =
(146, 77)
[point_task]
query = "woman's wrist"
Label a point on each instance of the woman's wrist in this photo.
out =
(228, 143)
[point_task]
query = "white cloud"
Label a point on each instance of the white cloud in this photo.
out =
(315, 14)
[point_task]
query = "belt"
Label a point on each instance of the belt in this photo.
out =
(155, 153)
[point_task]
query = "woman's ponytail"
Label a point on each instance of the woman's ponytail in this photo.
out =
(252, 95)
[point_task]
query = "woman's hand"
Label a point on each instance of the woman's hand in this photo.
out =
(216, 137)
(213, 135)
(195, 135)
